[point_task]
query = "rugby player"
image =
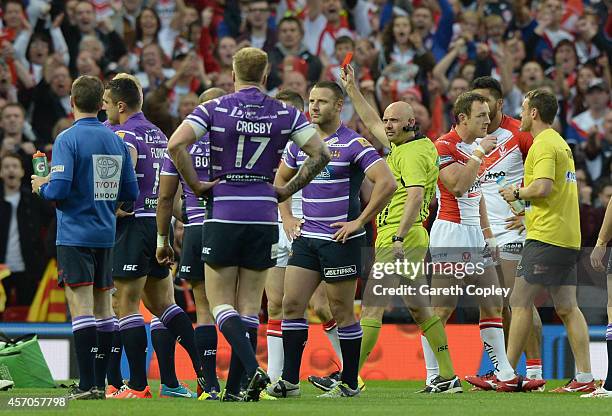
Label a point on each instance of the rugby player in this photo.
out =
(136, 271)
(331, 240)
(248, 133)
(191, 266)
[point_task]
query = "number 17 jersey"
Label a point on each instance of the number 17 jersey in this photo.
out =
(248, 134)
(151, 144)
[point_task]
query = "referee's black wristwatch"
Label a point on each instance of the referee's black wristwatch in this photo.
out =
(517, 194)
(397, 238)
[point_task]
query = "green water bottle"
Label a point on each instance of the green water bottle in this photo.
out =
(40, 164)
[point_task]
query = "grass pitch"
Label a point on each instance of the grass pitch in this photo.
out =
(380, 398)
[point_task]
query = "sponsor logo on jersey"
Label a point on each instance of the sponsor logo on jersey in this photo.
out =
(335, 154)
(57, 168)
(331, 141)
(106, 176)
(364, 142)
(340, 271)
(494, 176)
(150, 203)
(324, 174)
(570, 176)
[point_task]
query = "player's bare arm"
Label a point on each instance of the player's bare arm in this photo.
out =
(168, 186)
(487, 232)
(291, 224)
(459, 178)
(181, 139)
(384, 187)
(605, 234)
(540, 188)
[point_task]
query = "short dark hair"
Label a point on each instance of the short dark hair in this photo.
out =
(344, 40)
(87, 93)
(463, 103)
(291, 97)
(14, 156)
(126, 90)
(545, 102)
(291, 19)
(333, 87)
(488, 83)
(13, 105)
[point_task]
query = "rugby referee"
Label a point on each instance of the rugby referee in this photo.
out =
(91, 171)
(553, 237)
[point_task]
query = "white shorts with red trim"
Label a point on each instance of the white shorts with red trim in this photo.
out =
(451, 242)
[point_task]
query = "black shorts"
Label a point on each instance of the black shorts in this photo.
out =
(191, 266)
(252, 246)
(135, 245)
(548, 265)
(84, 266)
(335, 261)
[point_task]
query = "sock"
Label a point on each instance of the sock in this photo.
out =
(164, 344)
(274, 336)
(179, 324)
(433, 331)
(236, 377)
(584, 377)
(534, 368)
(492, 335)
(608, 383)
(232, 328)
(295, 335)
(113, 373)
(206, 341)
(105, 330)
(134, 340)
(371, 330)
(331, 331)
(85, 342)
(350, 342)
(431, 363)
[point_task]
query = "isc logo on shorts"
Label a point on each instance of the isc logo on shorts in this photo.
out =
(185, 269)
(340, 271)
(205, 250)
(130, 267)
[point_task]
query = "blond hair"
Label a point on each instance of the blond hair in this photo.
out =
(250, 65)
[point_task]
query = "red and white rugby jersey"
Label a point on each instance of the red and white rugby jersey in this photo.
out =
(464, 209)
(506, 160)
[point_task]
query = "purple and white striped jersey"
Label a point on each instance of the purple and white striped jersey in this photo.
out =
(248, 132)
(200, 156)
(151, 144)
(333, 196)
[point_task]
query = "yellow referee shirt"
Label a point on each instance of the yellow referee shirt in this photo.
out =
(414, 163)
(554, 219)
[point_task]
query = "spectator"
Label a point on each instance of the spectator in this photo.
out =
(258, 32)
(86, 24)
(148, 26)
(186, 105)
(14, 139)
(125, 20)
(51, 99)
(437, 41)
(290, 42)
(23, 220)
(591, 121)
(326, 21)
(153, 73)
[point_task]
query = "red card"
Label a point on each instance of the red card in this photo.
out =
(347, 59)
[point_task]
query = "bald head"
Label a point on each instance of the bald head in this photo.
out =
(211, 94)
(400, 109)
(397, 116)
